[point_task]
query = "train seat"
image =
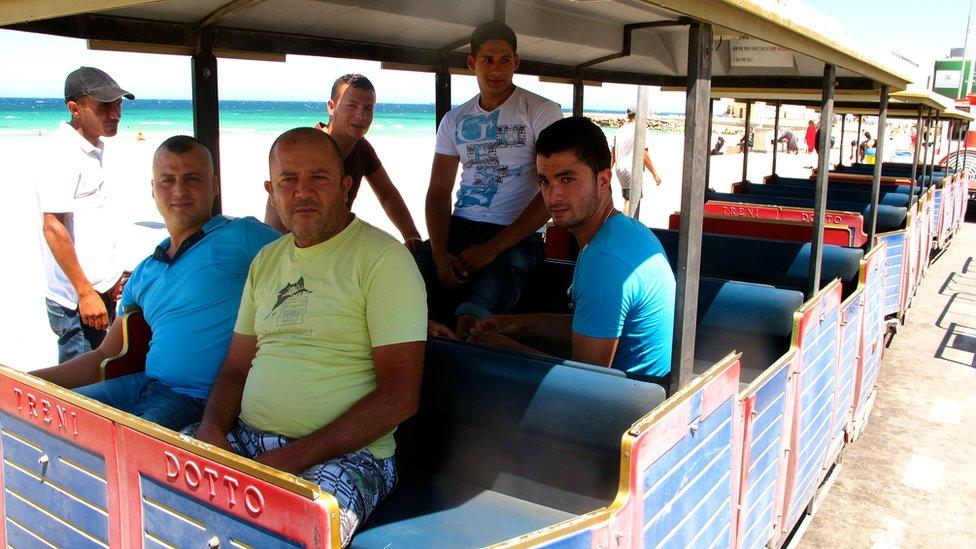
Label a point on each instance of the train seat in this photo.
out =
(890, 218)
(477, 459)
(887, 197)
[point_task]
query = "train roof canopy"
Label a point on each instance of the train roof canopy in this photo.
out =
(625, 41)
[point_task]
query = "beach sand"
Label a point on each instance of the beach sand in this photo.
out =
(26, 340)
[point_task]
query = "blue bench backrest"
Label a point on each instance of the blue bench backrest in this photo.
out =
(890, 218)
(521, 425)
(833, 193)
(846, 185)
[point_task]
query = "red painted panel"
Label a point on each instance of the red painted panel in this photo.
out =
(224, 488)
(66, 421)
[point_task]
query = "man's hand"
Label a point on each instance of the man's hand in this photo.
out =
(657, 179)
(92, 310)
(413, 243)
(477, 256)
(279, 459)
(495, 340)
(450, 270)
(213, 436)
(436, 329)
(509, 325)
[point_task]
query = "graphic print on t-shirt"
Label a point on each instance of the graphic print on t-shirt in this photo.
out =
(293, 300)
(483, 136)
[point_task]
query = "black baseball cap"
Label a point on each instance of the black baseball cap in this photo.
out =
(94, 83)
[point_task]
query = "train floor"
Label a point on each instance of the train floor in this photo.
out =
(910, 479)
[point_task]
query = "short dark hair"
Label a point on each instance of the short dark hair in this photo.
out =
(354, 80)
(578, 135)
(297, 135)
(492, 30)
(182, 144)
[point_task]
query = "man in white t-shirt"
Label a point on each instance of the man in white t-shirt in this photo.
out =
(83, 275)
(480, 255)
(622, 155)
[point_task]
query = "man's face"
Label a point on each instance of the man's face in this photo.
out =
(184, 187)
(494, 65)
(307, 189)
(96, 119)
(351, 112)
(569, 188)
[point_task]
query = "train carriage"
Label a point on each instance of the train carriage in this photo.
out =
(583, 457)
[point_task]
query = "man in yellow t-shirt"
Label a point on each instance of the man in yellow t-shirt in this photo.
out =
(326, 356)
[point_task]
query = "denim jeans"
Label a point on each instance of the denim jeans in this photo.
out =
(358, 480)
(493, 289)
(148, 398)
(74, 336)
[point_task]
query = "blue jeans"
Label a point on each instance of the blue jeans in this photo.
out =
(148, 398)
(496, 287)
(358, 480)
(74, 336)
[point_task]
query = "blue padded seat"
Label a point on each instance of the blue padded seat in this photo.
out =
(890, 218)
(833, 193)
(847, 185)
(776, 262)
(505, 438)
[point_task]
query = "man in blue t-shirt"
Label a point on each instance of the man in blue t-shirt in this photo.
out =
(189, 291)
(623, 287)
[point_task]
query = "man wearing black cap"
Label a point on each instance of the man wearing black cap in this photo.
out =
(83, 276)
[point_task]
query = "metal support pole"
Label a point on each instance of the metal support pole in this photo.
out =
(775, 137)
(637, 161)
(206, 105)
(857, 159)
(578, 97)
(878, 157)
(843, 129)
(500, 11)
(820, 196)
(925, 150)
(915, 159)
(745, 143)
(708, 164)
(442, 92)
(692, 203)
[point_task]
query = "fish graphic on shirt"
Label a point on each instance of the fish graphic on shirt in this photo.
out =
(290, 290)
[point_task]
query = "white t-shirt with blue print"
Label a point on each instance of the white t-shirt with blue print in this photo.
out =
(497, 154)
(623, 287)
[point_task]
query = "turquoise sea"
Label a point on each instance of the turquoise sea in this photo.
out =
(28, 116)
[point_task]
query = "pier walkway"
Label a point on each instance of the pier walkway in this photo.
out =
(910, 479)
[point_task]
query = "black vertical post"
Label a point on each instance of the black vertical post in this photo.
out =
(775, 137)
(843, 130)
(708, 141)
(692, 203)
(820, 196)
(936, 135)
(578, 97)
(915, 159)
(878, 157)
(745, 142)
(860, 117)
(925, 150)
(206, 107)
(442, 91)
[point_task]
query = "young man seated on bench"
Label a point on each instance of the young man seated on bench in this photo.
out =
(189, 290)
(623, 287)
(327, 353)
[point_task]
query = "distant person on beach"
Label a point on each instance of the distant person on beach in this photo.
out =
(479, 257)
(623, 288)
(351, 108)
(789, 138)
(622, 156)
(717, 149)
(328, 348)
(863, 145)
(811, 136)
(84, 278)
(188, 290)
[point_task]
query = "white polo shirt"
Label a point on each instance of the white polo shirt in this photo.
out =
(72, 183)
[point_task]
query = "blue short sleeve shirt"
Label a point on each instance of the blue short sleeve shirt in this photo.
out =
(623, 288)
(191, 300)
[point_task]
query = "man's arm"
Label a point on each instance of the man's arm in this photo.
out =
(224, 403)
(394, 206)
(594, 350)
(650, 167)
(90, 304)
(532, 217)
(443, 172)
(85, 369)
(399, 368)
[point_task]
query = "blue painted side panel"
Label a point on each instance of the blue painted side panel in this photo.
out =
(688, 490)
(765, 451)
(579, 540)
(818, 359)
(850, 340)
(195, 523)
(894, 244)
(62, 501)
(873, 337)
(937, 210)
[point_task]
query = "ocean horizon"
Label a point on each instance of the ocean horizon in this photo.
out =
(30, 116)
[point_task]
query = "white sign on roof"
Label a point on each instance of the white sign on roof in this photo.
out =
(749, 52)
